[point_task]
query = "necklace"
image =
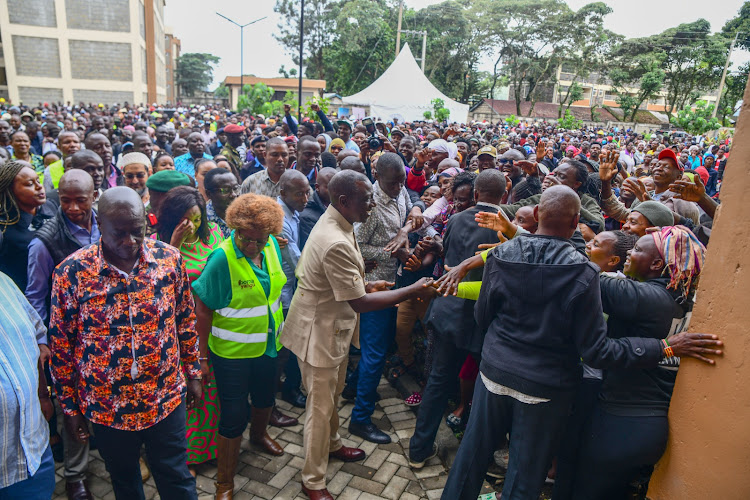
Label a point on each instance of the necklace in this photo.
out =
(191, 242)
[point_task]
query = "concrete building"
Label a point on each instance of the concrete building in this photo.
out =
(279, 85)
(83, 51)
(172, 48)
(598, 91)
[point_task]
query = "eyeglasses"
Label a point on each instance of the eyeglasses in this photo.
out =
(241, 238)
(226, 191)
(138, 175)
(504, 161)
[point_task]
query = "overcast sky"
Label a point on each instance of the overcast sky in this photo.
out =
(196, 24)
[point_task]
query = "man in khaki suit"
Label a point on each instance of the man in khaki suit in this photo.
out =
(323, 320)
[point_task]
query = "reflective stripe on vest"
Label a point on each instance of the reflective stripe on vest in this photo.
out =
(240, 330)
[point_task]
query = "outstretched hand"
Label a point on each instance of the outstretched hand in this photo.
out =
(379, 286)
(608, 166)
(637, 187)
(696, 345)
(689, 191)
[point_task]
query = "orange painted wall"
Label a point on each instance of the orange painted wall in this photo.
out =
(708, 456)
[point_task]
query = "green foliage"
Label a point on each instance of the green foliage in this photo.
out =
(323, 102)
(222, 91)
(569, 122)
(194, 72)
(291, 73)
(696, 121)
(319, 31)
(734, 89)
(512, 120)
(257, 99)
(739, 24)
(573, 94)
(427, 115)
(649, 78)
(441, 112)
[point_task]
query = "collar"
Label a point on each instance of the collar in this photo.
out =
(340, 220)
(380, 194)
(146, 258)
(238, 253)
(288, 212)
(76, 228)
(485, 204)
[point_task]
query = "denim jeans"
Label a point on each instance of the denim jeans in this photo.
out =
(534, 436)
(236, 379)
(40, 486)
(166, 451)
(446, 364)
(377, 331)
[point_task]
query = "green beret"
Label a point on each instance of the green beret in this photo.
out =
(165, 180)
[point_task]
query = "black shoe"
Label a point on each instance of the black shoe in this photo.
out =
(295, 398)
(369, 432)
(349, 393)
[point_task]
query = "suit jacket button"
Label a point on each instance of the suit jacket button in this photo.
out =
(638, 350)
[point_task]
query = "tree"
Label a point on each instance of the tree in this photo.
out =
(441, 112)
(253, 97)
(635, 78)
(734, 89)
(319, 31)
(569, 122)
(222, 91)
(323, 102)
(696, 121)
(739, 24)
(195, 72)
(572, 94)
(291, 73)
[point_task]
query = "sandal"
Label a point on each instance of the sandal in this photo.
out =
(398, 371)
(454, 422)
(414, 400)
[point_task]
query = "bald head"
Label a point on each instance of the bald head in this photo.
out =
(352, 162)
(326, 174)
(292, 178)
(446, 164)
(118, 202)
(345, 153)
(558, 211)
(349, 184)
(490, 186)
(76, 180)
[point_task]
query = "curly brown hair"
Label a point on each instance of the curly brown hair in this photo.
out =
(254, 211)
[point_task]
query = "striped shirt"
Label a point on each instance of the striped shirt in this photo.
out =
(24, 433)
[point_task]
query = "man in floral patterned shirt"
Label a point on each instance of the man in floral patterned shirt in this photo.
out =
(123, 341)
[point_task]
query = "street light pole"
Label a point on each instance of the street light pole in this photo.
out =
(242, 50)
(301, 50)
(724, 75)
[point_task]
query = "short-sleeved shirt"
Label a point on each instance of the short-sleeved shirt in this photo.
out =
(214, 286)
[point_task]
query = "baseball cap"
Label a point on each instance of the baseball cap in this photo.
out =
(487, 150)
(669, 153)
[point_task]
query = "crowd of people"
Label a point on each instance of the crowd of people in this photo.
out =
(167, 274)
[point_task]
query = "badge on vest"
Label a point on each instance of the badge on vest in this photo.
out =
(245, 284)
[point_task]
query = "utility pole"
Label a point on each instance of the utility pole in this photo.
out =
(398, 31)
(724, 75)
(424, 42)
(242, 51)
(301, 47)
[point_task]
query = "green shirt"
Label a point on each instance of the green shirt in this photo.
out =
(214, 286)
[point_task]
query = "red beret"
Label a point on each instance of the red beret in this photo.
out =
(233, 129)
(669, 153)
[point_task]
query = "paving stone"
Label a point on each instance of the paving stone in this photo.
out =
(376, 458)
(385, 472)
(205, 484)
(407, 473)
(333, 467)
(256, 474)
(397, 459)
(415, 489)
(277, 463)
(297, 462)
(290, 491)
(408, 496)
(368, 496)
(99, 486)
(430, 471)
(404, 425)
(435, 482)
(366, 485)
(391, 447)
(254, 459)
(389, 410)
(260, 489)
(294, 449)
(280, 479)
(384, 403)
(404, 415)
(339, 482)
(435, 494)
(357, 469)
(349, 493)
(368, 447)
(395, 488)
(405, 434)
(291, 437)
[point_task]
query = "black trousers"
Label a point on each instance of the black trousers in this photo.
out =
(236, 379)
(614, 451)
(166, 450)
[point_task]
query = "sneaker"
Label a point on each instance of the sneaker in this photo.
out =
(418, 465)
(501, 458)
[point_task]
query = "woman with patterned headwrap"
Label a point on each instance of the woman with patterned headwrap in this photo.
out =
(626, 433)
(182, 223)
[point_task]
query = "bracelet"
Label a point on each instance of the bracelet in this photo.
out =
(668, 351)
(202, 359)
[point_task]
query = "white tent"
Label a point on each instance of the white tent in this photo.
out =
(404, 92)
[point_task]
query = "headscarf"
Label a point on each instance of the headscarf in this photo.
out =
(337, 142)
(450, 172)
(684, 256)
(443, 146)
(328, 140)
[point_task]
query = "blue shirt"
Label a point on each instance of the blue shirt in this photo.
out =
(24, 433)
(186, 163)
(352, 145)
(41, 265)
(289, 254)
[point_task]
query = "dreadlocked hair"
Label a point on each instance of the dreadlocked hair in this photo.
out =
(582, 176)
(9, 212)
(684, 256)
(624, 242)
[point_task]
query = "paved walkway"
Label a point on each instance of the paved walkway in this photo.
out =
(383, 474)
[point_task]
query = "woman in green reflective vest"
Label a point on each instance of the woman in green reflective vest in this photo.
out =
(238, 307)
